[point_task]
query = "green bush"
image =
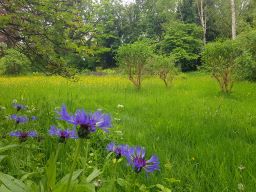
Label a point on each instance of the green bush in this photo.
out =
(164, 67)
(184, 41)
(14, 63)
(221, 60)
(247, 61)
(133, 57)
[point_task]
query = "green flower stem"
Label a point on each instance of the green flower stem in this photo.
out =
(87, 150)
(73, 164)
(57, 152)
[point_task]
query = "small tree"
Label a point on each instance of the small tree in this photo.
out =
(164, 67)
(220, 59)
(184, 41)
(134, 57)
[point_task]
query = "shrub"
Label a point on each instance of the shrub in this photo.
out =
(133, 58)
(184, 41)
(221, 60)
(247, 61)
(164, 67)
(14, 63)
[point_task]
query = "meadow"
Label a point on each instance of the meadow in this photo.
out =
(205, 140)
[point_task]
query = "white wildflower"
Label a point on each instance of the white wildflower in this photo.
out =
(119, 106)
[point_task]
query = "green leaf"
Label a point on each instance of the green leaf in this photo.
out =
(5, 148)
(2, 157)
(93, 175)
(4, 189)
(163, 188)
(172, 180)
(122, 182)
(27, 175)
(12, 184)
(51, 172)
(62, 184)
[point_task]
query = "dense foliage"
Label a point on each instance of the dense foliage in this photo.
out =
(14, 63)
(184, 41)
(247, 42)
(59, 35)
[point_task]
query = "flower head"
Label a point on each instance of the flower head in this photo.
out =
(136, 158)
(23, 135)
(64, 115)
(33, 118)
(18, 106)
(119, 150)
(86, 122)
(19, 119)
(63, 134)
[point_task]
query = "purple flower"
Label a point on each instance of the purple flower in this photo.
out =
(23, 135)
(19, 119)
(63, 113)
(33, 118)
(119, 150)
(19, 107)
(136, 158)
(63, 134)
(87, 122)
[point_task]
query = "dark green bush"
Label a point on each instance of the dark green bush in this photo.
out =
(184, 41)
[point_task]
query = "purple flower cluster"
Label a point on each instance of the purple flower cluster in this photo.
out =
(119, 150)
(18, 106)
(19, 118)
(63, 135)
(85, 122)
(23, 135)
(136, 157)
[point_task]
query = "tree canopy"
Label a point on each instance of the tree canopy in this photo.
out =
(58, 36)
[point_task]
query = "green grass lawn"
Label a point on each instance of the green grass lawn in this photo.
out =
(202, 137)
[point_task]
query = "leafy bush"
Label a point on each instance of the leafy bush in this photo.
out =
(247, 61)
(221, 60)
(133, 58)
(164, 67)
(184, 41)
(14, 63)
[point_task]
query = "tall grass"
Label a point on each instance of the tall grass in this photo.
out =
(206, 141)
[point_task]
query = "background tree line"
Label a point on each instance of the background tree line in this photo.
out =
(66, 36)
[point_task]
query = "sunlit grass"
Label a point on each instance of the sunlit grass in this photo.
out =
(201, 136)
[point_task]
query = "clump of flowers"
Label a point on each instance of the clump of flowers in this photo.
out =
(18, 106)
(23, 135)
(119, 150)
(136, 157)
(86, 123)
(63, 135)
(19, 118)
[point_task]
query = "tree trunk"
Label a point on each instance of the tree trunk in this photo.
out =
(233, 13)
(202, 17)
